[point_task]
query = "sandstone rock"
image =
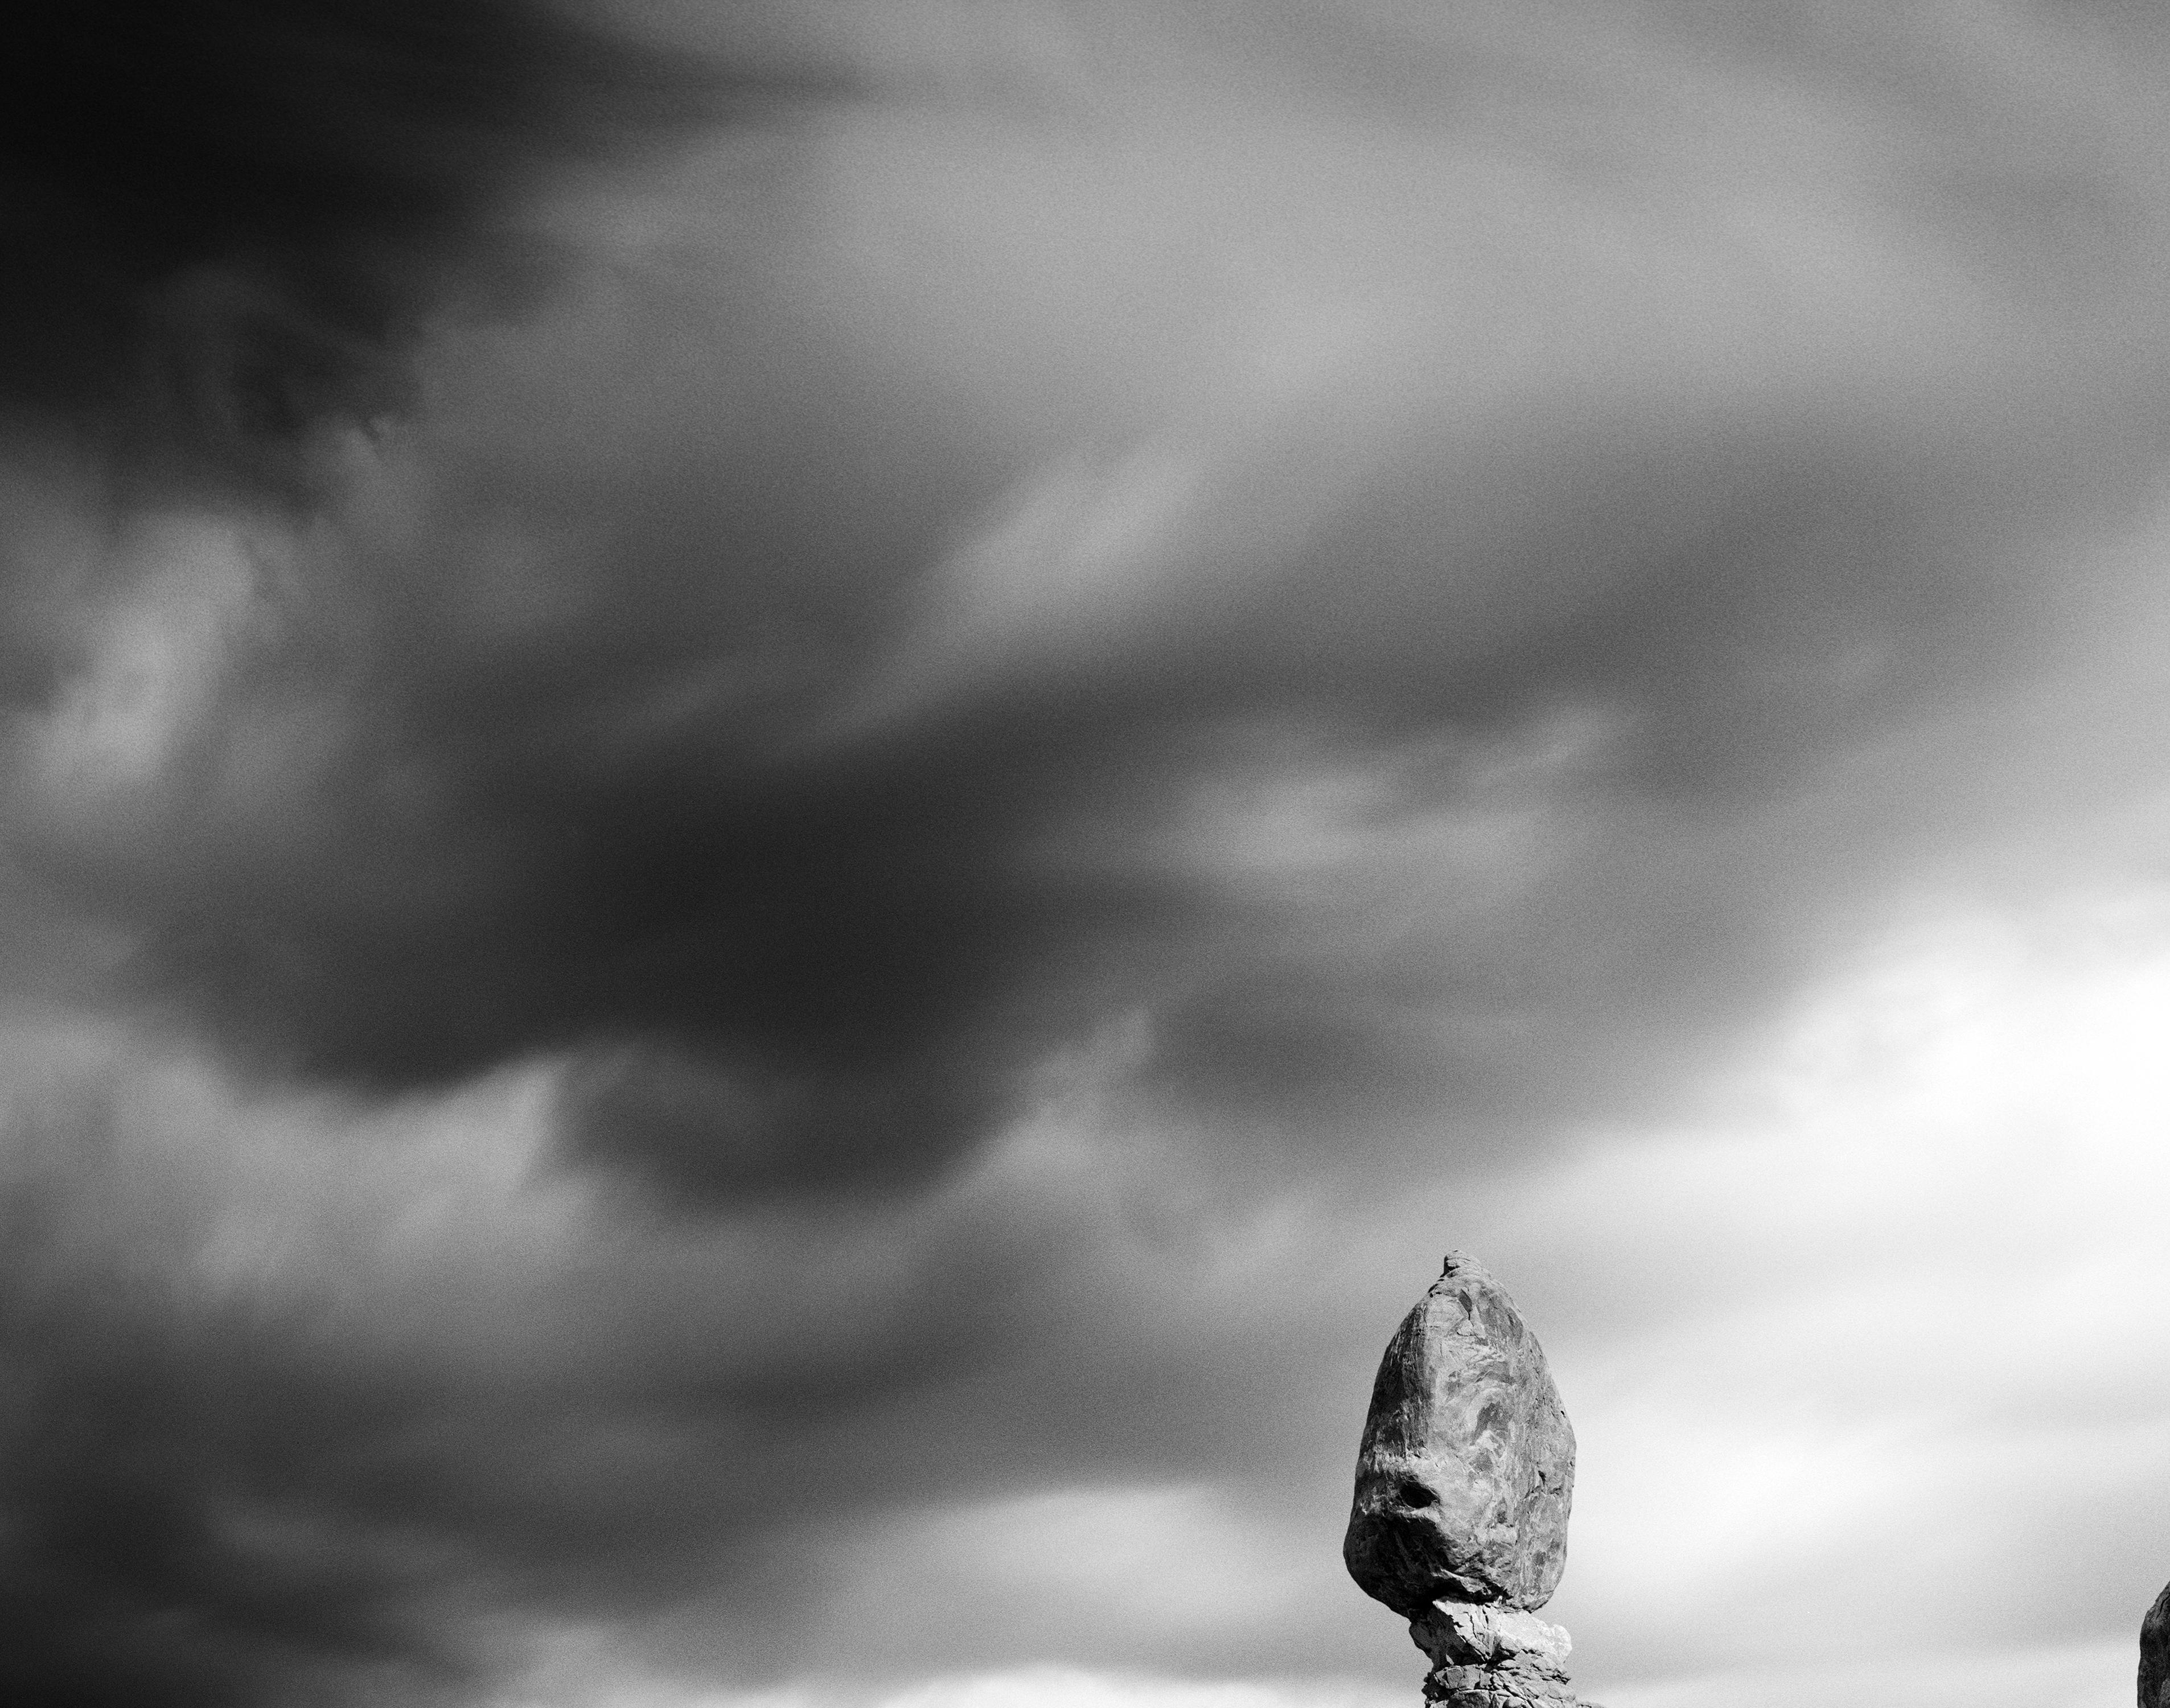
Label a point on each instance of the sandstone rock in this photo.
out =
(1483, 1687)
(2155, 1653)
(1461, 1634)
(1484, 1656)
(1467, 1470)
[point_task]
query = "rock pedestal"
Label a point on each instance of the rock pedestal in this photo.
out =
(1493, 1657)
(1463, 1484)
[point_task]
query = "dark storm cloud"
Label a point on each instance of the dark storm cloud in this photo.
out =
(790, 958)
(278, 1429)
(229, 218)
(1361, 628)
(808, 722)
(132, 1575)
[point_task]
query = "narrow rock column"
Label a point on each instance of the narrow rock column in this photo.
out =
(1463, 1484)
(2155, 1653)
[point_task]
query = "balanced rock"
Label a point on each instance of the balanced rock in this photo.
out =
(1467, 1468)
(2155, 1653)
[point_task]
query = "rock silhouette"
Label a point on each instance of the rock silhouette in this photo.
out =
(2155, 1653)
(1463, 1485)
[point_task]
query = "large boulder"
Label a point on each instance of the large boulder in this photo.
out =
(1467, 1468)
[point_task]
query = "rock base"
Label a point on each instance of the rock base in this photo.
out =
(1497, 1687)
(1493, 1656)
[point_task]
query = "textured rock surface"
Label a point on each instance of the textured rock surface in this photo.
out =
(2155, 1653)
(1485, 1687)
(1492, 1657)
(1467, 1468)
(1459, 1634)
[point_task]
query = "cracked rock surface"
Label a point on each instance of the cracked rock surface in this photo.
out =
(1486, 1656)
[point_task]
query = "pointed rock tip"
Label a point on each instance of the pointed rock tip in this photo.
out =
(1460, 1265)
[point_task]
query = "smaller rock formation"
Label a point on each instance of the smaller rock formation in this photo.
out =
(2155, 1653)
(1463, 1484)
(1493, 1657)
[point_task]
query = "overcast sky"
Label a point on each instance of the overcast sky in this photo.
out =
(797, 794)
